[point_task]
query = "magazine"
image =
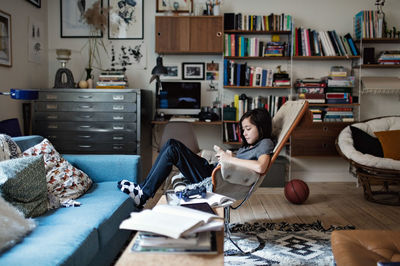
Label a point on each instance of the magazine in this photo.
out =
(213, 199)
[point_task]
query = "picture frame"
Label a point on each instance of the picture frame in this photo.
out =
(37, 3)
(167, 6)
(126, 21)
(193, 71)
(5, 39)
(174, 72)
(71, 23)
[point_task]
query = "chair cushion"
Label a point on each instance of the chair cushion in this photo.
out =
(365, 143)
(390, 141)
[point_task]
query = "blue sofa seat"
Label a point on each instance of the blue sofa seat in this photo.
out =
(85, 235)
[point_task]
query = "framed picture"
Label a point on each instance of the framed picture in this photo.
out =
(36, 3)
(5, 39)
(125, 19)
(174, 5)
(193, 71)
(73, 24)
(174, 72)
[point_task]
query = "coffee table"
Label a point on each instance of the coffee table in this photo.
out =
(137, 258)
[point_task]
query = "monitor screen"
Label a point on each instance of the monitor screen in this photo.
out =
(182, 98)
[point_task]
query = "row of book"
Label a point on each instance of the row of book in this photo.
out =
(307, 42)
(369, 24)
(112, 80)
(332, 114)
(271, 22)
(240, 74)
(236, 45)
(389, 57)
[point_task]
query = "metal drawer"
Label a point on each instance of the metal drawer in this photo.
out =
(90, 137)
(98, 148)
(85, 116)
(88, 96)
(42, 127)
(85, 107)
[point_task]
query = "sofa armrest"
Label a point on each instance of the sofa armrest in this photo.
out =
(103, 168)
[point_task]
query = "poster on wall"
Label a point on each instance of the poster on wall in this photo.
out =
(5, 39)
(126, 56)
(125, 19)
(35, 41)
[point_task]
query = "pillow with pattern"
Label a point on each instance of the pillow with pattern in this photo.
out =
(63, 180)
(8, 148)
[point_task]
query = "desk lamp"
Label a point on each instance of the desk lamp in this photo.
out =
(158, 70)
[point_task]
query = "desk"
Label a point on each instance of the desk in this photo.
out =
(173, 259)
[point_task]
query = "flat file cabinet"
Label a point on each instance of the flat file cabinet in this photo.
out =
(90, 121)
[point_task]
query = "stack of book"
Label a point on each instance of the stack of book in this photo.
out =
(275, 49)
(389, 57)
(281, 79)
(240, 74)
(316, 113)
(369, 24)
(339, 114)
(310, 89)
(112, 80)
(308, 42)
(270, 22)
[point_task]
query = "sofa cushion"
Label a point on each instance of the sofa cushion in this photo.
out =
(13, 225)
(23, 184)
(365, 143)
(66, 244)
(390, 141)
(63, 180)
(8, 148)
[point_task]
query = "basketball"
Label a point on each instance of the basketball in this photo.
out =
(296, 191)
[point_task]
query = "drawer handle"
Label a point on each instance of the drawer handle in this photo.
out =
(84, 136)
(52, 126)
(51, 97)
(118, 107)
(52, 116)
(118, 127)
(85, 146)
(84, 106)
(85, 126)
(325, 129)
(85, 96)
(85, 116)
(118, 147)
(118, 97)
(51, 106)
(219, 34)
(120, 117)
(118, 138)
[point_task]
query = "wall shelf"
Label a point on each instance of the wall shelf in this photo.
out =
(380, 40)
(258, 57)
(256, 32)
(255, 87)
(326, 57)
(380, 66)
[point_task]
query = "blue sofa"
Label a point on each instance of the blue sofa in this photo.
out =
(85, 235)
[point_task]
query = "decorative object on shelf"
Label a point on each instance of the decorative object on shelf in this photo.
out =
(36, 3)
(125, 19)
(381, 17)
(64, 77)
(77, 26)
(182, 6)
(193, 71)
(5, 39)
(89, 77)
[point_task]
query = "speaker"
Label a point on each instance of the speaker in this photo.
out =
(229, 21)
(369, 55)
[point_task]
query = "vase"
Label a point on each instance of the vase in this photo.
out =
(89, 77)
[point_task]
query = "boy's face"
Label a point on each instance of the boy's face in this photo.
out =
(250, 131)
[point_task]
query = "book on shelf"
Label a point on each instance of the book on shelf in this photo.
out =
(204, 242)
(172, 221)
(369, 24)
(271, 22)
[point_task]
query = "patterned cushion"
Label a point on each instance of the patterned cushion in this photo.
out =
(14, 226)
(63, 180)
(8, 148)
(23, 184)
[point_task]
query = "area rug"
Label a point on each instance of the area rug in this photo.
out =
(280, 244)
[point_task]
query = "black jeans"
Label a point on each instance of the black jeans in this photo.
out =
(174, 152)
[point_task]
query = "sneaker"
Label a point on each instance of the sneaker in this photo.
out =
(134, 191)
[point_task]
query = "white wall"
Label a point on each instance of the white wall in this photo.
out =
(23, 74)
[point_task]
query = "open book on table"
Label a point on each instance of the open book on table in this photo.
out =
(172, 221)
(213, 199)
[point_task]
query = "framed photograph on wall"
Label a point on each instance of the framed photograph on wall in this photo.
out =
(174, 72)
(193, 71)
(125, 19)
(181, 6)
(73, 24)
(5, 39)
(36, 3)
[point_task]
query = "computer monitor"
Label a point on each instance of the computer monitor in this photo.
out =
(179, 98)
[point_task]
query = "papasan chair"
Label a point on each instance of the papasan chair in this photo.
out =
(373, 149)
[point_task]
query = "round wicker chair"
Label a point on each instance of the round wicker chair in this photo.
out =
(380, 177)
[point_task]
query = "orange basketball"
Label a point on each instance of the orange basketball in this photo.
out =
(296, 191)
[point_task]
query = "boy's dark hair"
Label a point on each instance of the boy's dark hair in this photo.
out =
(262, 120)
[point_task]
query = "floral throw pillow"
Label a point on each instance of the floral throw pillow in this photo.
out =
(8, 148)
(64, 180)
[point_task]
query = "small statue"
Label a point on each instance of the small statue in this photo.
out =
(176, 6)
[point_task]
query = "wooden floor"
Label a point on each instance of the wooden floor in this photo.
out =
(332, 203)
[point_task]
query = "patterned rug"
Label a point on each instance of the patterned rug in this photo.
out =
(281, 244)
